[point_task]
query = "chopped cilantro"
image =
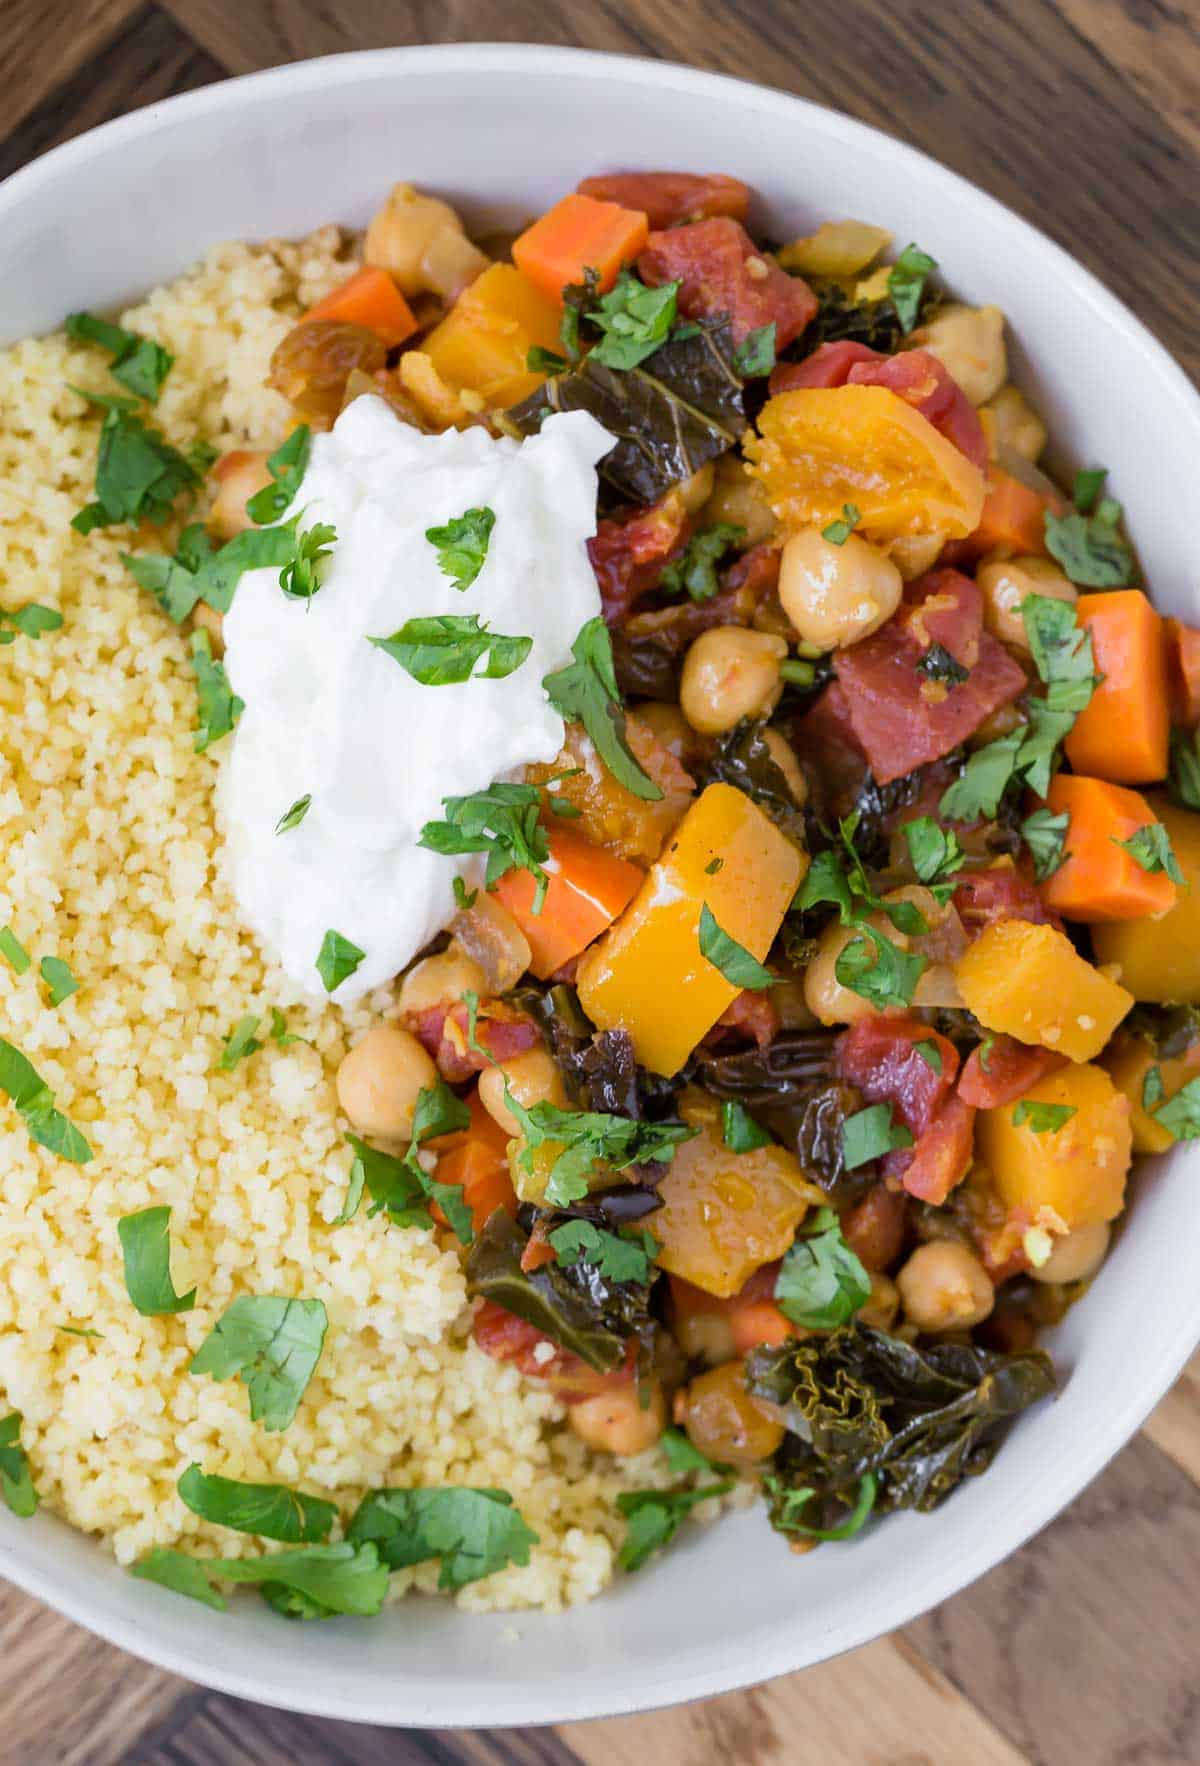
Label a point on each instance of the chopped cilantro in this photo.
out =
(936, 855)
(29, 620)
(739, 967)
(870, 1133)
(1183, 784)
(444, 648)
(821, 1283)
(138, 473)
(240, 1042)
(473, 1532)
(755, 355)
(1150, 847)
(930, 1053)
(1042, 1118)
(741, 1133)
(1181, 1116)
(501, 821)
(303, 574)
(838, 532)
(655, 1517)
(146, 1250)
(287, 466)
(696, 570)
(462, 545)
(337, 959)
(620, 1258)
(1090, 550)
(1089, 482)
(219, 706)
(292, 818)
(13, 952)
(937, 664)
(33, 1100)
(878, 970)
(1045, 835)
(587, 689)
(269, 1511)
(906, 284)
(138, 363)
(16, 1480)
(273, 1345)
(464, 898)
(1152, 1088)
(58, 978)
(634, 319)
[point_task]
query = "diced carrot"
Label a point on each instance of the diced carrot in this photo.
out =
(588, 887)
(1122, 733)
(1099, 880)
(475, 1157)
(369, 298)
(1183, 673)
(751, 1314)
(538, 1251)
(1014, 516)
(579, 234)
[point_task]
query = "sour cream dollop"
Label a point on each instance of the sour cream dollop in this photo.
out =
(331, 716)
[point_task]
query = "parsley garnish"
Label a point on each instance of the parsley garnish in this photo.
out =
(821, 1283)
(13, 951)
(937, 664)
(735, 962)
(544, 361)
(838, 532)
(870, 1133)
(619, 1258)
(684, 1456)
(1183, 784)
(587, 689)
(310, 1582)
(146, 1249)
(741, 1133)
(978, 790)
(269, 1511)
(1089, 482)
(402, 1188)
(273, 1345)
(16, 1480)
(589, 1138)
(29, 620)
(219, 706)
(464, 898)
(58, 978)
(501, 821)
(462, 545)
(444, 648)
(240, 1043)
(280, 1032)
(287, 466)
(138, 363)
(1045, 835)
(34, 1102)
(1150, 847)
(1152, 1088)
(906, 284)
(755, 355)
(292, 818)
(474, 1532)
(655, 1517)
(878, 970)
(302, 576)
(337, 959)
(936, 855)
(1181, 1117)
(635, 321)
(198, 573)
(696, 569)
(138, 473)
(1088, 546)
(1042, 1118)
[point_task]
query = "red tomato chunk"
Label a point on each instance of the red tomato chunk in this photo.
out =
(880, 1057)
(720, 270)
(667, 198)
(1011, 1068)
(628, 555)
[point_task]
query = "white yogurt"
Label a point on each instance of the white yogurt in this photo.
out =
(331, 715)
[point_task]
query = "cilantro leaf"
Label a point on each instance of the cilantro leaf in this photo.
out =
(1181, 1116)
(937, 664)
(337, 959)
(16, 1480)
(977, 792)
(1042, 1118)
(444, 648)
(462, 545)
(1089, 482)
(826, 882)
(619, 1258)
(273, 1345)
(683, 1456)
(885, 974)
(936, 854)
(1150, 847)
(821, 1283)
(838, 532)
(755, 355)
(402, 1187)
(58, 978)
(219, 706)
(146, 1250)
(634, 319)
(240, 1042)
(303, 574)
(906, 284)
(181, 1574)
(1152, 1088)
(655, 1516)
(270, 1511)
(292, 818)
(13, 951)
(138, 473)
(587, 689)
(287, 466)
(741, 1133)
(198, 573)
(474, 1532)
(589, 1138)
(138, 363)
(1183, 784)
(1045, 835)
(695, 571)
(870, 1133)
(1090, 550)
(313, 1581)
(544, 361)
(280, 1032)
(29, 620)
(735, 962)
(501, 821)
(34, 1101)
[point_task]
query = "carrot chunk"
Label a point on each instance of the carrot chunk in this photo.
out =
(1014, 516)
(579, 234)
(1183, 672)
(1122, 733)
(1098, 879)
(476, 1158)
(588, 888)
(369, 298)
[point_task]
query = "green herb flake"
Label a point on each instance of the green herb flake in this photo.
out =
(181, 1574)
(198, 573)
(1183, 783)
(906, 284)
(683, 1457)
(1150, 847)
(219, 706)
(464, 898)
(620, 1258)
(587, 690)
(1090, 550)
(269, 1511)
(787, 1506)
(273, 1345)
(443, 649)
(870, 1133)
(1089, 482)
(590, 1138)
(821, 1283)
(737, 965)
(876, 969)
(138, 363)
(502, 821)
(34, 1102)
(930, 1053)
(838, 532)
(13, 952)
(977, 792)
(713, 866)
(146, 1250)
(280, 1033)
(474, 1532)
(337, 960)
(655, 1516)
(138, 473)
(304, 573)
(797, 671)
(1152, 1088)
(240, 1043)
(544, 361)
(935, 854)
(287, 466)
(462, 545)
(16, 1480)
(741, 1133)
(58, 978)
(292, 818)
(937, 664)
(29, 620)
(695, 571)
(1045, 835)
(755, 355)
(79, 1331)
(1181, 1116)
(1041, 1118)
(635, 321)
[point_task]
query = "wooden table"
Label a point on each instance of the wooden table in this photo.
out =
(1085, 116)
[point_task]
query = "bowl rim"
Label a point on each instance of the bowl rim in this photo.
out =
(1064, 1479)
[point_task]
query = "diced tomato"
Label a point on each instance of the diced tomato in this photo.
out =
(628, 554)
(1012, 1067)
(721, 270)
(667, 198)
(828, 366)
(901, 718)
(750, 1015)
(914, 375)
(443, 1031)
(505, 1337)
(942, 1155)
(874, 1227)
(754, 572)
(476, 1158)
(1000, 893)
(825, 737)
(880, 1057)
(1183, 673)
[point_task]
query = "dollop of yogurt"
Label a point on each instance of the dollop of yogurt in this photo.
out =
(329, 715)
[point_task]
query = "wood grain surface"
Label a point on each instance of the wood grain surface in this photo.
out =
(1085, 116)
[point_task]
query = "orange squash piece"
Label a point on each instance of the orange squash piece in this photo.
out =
(579, 234)
(1122, 733)
(588, 888)
(1098, 879)
(1030, 982)
(1076, 1171)
(369, 298)
(482, 344)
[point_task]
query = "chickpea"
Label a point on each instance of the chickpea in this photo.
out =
(1005, 583)
(728, 674)
(724, 1421)
(915, 553)
(835, 595)
(881, 1309)
(1012, 423)
(533, 1078)
(209, 620)
(617, 1422)
(437, 979)
(784, 756)
(237, 475)
(667, 725)
(378, 1082)
(695, 491)
(944, 1287)
(421, 241)
(705, 1336)
(1077, 1255)
(824, 994)
(740, 499)
(969, 343)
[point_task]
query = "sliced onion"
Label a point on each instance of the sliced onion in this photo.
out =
(489, 934)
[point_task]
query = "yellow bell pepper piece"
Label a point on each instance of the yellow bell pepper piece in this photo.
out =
(646, 975)
(1077, 1171)
(482, 343)
(1159, 958)
(1030, 982)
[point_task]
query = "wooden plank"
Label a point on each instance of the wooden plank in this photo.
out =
(44, 42)
(68, 1697)
(149, 58)
(1157, 47)
(1083, 1646)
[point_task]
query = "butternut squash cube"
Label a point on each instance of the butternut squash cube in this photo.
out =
(1076, 1171)
(1159, 959)
(725, 1214)
(482, 343)
(1030, 982)
(1128, 1062)
(646, 975)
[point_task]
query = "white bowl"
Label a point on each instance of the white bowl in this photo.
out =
(502, 130)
